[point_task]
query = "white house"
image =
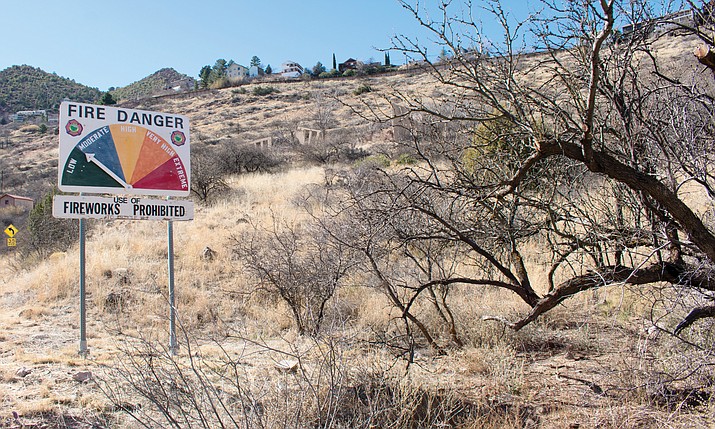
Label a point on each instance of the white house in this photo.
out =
(291, 69)
(255, 71)
(24, 115)
(236, 71)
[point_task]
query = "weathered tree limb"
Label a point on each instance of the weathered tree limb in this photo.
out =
(594, 81)
(667, 272)
(525, 291)
(640, 181)
(695, 315)
(706, 57)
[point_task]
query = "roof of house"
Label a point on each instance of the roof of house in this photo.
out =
(17, 197)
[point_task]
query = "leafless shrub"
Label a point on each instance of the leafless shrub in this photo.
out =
(158, 389)
(297, 262)
(367, 218)
(235, 157)
(207, 176)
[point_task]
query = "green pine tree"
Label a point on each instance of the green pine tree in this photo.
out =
(219, 70)
(318, 68)
(205, 76)
(107, 99)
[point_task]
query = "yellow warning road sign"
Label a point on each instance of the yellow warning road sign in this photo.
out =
(11, 231)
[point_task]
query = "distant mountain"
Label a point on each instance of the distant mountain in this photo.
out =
(164, 81)
(29, 88)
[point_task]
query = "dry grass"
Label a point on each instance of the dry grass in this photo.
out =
(511, 379)
(507, 379)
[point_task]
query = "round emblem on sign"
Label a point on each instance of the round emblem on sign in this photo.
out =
(73, 128)
(178, 138)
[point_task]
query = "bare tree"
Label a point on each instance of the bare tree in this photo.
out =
(207, 178)
(236, 157)
(588, 143)
(47, 233)
(324, 111)
(368, 211)
(299, 264)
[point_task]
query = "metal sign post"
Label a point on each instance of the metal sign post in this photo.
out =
(83, 351)
(173, 345)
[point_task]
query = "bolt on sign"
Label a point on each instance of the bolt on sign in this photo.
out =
(113, 150)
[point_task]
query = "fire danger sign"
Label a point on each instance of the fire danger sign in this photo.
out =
(112, 150)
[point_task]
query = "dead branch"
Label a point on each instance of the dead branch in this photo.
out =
(605, 276)
(706, 57)
(695, 315)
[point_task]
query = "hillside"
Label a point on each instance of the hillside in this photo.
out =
(596, 361)
(166, 80)
(218, 118)
(29, 88)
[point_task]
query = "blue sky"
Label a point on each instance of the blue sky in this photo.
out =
(104, 43)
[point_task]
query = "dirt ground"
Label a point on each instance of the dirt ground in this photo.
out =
(565, 373)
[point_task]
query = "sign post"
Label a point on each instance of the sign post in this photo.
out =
(173, 345)
(83, 350)
(125, 152)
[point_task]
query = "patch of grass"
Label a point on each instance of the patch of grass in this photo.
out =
(362, 89)
(34, 313)
(264, 90)
(379, 161)
(30, 129)
(406, 159)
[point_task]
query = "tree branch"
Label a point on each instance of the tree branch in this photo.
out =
(637, 180)
(604, 276)
(695, 315)
(595, 63)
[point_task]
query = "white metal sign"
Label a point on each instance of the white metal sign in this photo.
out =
(112, 150)
(120, 207)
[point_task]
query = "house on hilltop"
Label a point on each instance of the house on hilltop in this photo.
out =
(180, 85)
(291, 69)
(255, 71)
(236, 71)
(24, 115)
(349, 64)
